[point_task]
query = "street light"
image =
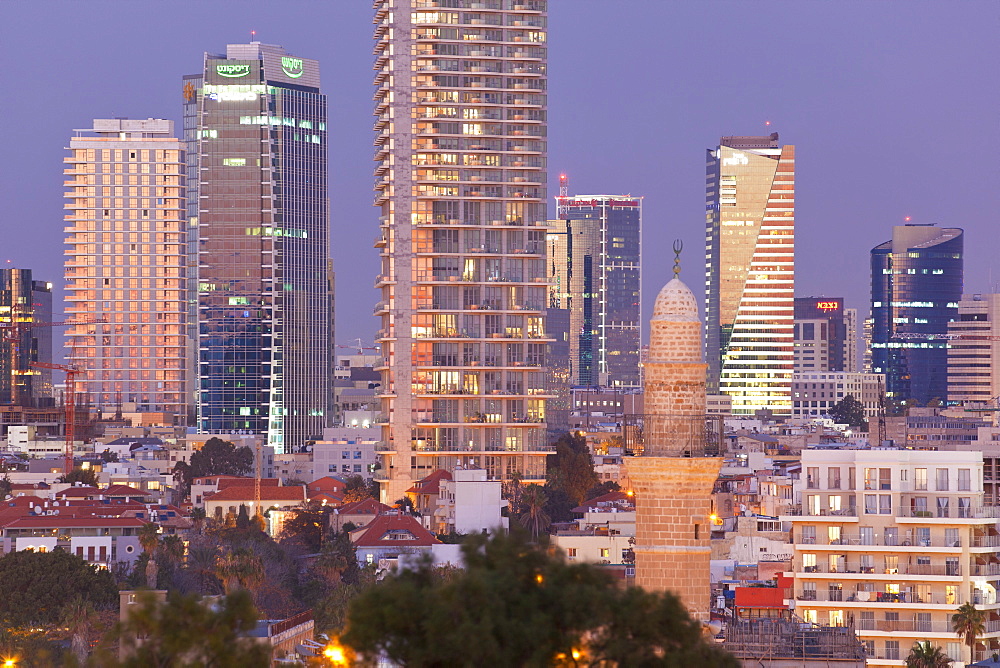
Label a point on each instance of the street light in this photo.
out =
(336, 654)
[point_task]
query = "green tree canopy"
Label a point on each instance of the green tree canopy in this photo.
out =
(849, 411)
(39, 585)
(78, 475)
(537, 611)
(356, 488)
(216, 457)
(186, 631)
(307, 525)
(926, 655)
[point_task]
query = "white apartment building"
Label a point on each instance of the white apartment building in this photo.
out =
(893, 542)
(815, 393)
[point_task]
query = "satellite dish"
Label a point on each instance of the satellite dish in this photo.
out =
(37, 510)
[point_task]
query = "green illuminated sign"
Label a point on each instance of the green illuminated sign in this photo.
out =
(232, 71)
(292, 66)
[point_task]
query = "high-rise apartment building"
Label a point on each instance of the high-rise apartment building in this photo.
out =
(461, 148)
(593, 271)
(255, 119)
(750, 266)
(126, 264)
(24, 304)
(916, 287)
(974, 351)
(825, 335)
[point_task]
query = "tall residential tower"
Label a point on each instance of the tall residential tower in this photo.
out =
(750, 266)
(126, 264)
(255, 119)
(916, 286)
(460, 106)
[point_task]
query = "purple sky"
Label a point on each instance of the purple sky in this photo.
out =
(893, 107)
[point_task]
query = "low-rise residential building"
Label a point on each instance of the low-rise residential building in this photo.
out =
(469, 503)
(893, 541)
(929, 429)
(389, 536)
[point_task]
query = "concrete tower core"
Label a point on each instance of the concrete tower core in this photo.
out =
(676, 458)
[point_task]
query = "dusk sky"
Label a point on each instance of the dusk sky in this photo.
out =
(892, 106)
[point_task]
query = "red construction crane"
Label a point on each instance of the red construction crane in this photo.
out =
(69, 400)
(16, 327)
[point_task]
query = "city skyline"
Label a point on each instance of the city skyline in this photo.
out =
(879, 66)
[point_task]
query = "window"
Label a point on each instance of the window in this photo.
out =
(964, 480)
(867, 563)
(942, 480)
(833, 534)
(891, 564)
(345, 454)
(808, 535)
(812, 479)
(885, 504)
(813, 504)
(571, 552)
(942, 506)
(346, 468)
(871, 504)
(951, 538)
(871, 478)
(605, 552)
(834, 502)
(808, 591)
(885, 479)
(357, 468)
(867, 535)
(920, 479)
(809, 563)
(833, 477)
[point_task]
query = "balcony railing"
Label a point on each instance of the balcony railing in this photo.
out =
(798, 510)
(906, 569)
(673, 435)
(879, 541)
(882, 597)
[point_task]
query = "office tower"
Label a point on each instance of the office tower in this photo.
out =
(460, 182)
(916, 286)
(126, 264)
(593, 271)
(974, 351)
(25, 304)
(256, 119)
(822, 338)
(851, 340)
(750, 264)
(866, 360)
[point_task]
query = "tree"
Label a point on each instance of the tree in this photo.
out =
(5, 487)
(925, 655)
(571, 468)
(186, 631)
(541, 610)
(109, 457)
(356, 488)
(849, 411)
(532, 515)
(969, 623)
(216, 457)
(603, 488)
(82, 476)
(307, 526)
(39, 586)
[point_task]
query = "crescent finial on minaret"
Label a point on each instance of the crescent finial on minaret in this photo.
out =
(678, 247)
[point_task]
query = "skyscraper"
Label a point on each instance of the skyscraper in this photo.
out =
(750, 266)
(460, 181)
(24, 304)
(256, 120)
(593, 265)
(974, 350)
(916, 287)
(126, 264)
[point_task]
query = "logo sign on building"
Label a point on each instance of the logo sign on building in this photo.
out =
(736, 159)
(828, 306)
(292, 67)
(232, 71)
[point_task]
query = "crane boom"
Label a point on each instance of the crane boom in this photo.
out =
(69, 401)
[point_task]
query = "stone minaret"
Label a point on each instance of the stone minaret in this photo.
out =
(672, 477)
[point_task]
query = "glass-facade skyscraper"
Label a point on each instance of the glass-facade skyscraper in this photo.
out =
(24, 302)
(255, 124)
(593, 265)
(916, 288)
(126, 264)
(460, 183)
(750, 272)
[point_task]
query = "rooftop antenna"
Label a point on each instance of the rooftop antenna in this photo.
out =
(253, 35)
(563, 185)
(678, 247)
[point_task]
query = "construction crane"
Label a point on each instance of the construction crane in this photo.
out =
(69, 401)
(945, 337)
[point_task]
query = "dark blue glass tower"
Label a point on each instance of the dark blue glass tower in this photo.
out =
(916, 286)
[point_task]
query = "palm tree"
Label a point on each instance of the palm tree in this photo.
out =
(241, 569)
(202, 563)
(198, 519)
(149, 539)
(969, 623)
(926, 655)
(533, 516)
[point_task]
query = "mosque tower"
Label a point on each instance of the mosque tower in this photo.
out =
(676, 447)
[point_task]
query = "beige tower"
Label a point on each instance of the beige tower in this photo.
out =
(676, 464)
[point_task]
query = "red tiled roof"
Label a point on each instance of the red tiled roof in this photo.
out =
(78, 491)
(326, 484)
(267, 493)
(430, 484)
(331, 498)
(387, 524)
(368, 506)
(55, 522)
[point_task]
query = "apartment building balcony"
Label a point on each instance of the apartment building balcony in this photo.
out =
(889, 600)
(795, 512)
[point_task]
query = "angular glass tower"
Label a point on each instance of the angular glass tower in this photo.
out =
(594, 275)
(460, 182)
(256, 121)
(750, 272)
(916, 287)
